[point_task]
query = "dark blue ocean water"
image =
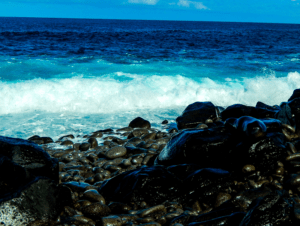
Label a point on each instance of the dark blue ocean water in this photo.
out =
(62, 76)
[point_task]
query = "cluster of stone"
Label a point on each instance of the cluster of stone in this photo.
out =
(238, 166)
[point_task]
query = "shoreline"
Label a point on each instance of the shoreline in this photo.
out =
(137, 175)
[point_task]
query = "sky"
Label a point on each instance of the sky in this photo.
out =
(269, 11)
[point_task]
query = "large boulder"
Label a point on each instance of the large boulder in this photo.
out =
(209, 148)
(40, 199)
(29, 189)
(196, 113)
(30, 156)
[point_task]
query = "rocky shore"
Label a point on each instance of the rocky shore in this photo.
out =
(238, 166)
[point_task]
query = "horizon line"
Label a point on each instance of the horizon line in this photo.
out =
(147, 20)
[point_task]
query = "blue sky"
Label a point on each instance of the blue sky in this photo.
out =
(271, 11)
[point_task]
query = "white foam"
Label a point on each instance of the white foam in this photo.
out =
(109, 95)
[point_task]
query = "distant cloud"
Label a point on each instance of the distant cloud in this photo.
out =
(186, 3)
(147, 2)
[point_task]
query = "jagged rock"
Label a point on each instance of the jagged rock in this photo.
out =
(30, 156)
(196, 113)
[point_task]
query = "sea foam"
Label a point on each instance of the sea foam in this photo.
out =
(127, 92)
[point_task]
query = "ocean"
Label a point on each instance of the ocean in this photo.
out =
(76, 76)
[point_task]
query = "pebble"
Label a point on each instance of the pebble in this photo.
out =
(221, 198)
(96, 210)
(248, 168)
(111, 221)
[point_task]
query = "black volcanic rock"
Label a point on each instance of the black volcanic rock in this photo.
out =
(238, 110)
(140, 123)
(29, 187)
(40, 199)
(30, 156)
(263, 154)
(295, 109)
(196, 113)
(153, 185)
(205, 184)
(209, 148)
(296, 94)
(285, 114)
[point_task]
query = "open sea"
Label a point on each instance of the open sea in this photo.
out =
(62, 76)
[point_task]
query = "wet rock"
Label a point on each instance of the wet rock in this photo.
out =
(248, 168)
(205, 184)
(142, 184)
(77, 220)
(93, 196)
(30, 156)
(125, 129)
(140, 123)
(84, 146)
(247, 126)
(208, 148)
(93, 142)
(263, 154)
(165, 122)
(40, 199)
(66, 137)
(77, 186)
(274, 208)
(119, 208)
(116, 152)
(194, 114)
(296, 94)
(67, 142)
(111, 221)
(237, 111)
(96, 210)
(245, 198)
